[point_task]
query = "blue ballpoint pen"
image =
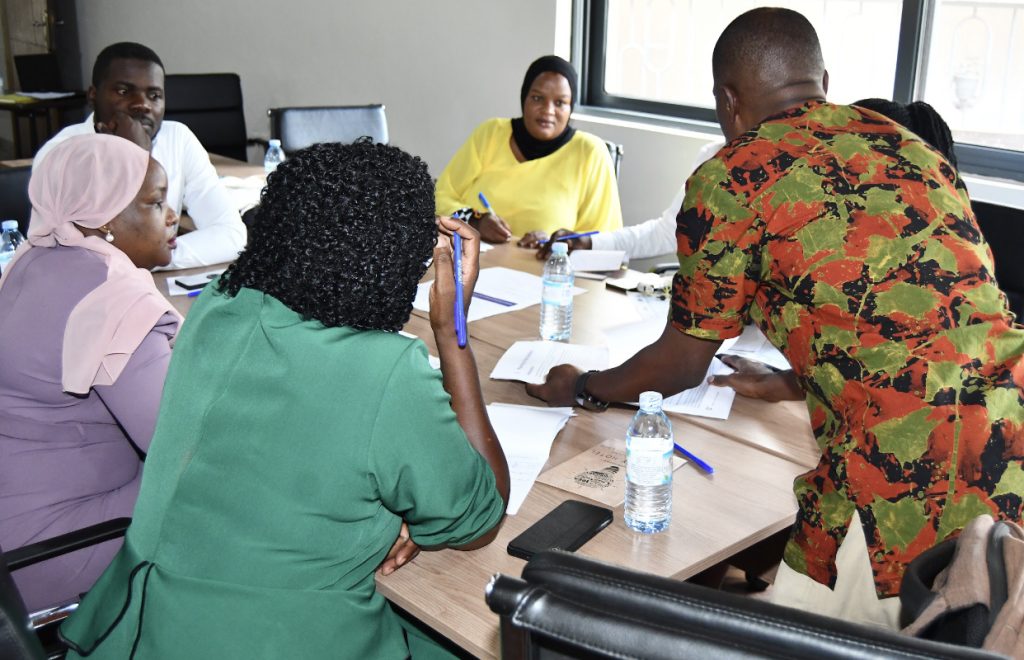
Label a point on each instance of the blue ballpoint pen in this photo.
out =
(460, 309)
(696, 461)
(572, 236)
(487, 205)
(193, 294)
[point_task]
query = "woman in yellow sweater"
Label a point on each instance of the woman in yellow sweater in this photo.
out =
(537, 172)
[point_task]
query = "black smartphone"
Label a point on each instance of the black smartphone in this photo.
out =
(566, 527)
(193, 282)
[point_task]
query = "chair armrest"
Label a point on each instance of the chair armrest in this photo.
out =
(65, 543)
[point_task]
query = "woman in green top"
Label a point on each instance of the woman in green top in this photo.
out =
(300, 435)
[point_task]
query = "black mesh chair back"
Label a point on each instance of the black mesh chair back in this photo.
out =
(210, 104)
(615, 151)
(298, 128)
(14, 201)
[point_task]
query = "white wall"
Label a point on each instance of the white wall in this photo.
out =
(440, 67)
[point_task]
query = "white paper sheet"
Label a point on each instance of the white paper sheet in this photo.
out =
(244, 192)
(597, 260)
(754, 345)
(519, 288)
(526, 434)
(530, 361)
(649, 307)
(175, 290)
(705, 400)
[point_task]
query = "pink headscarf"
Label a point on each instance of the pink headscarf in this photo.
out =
(89, 180)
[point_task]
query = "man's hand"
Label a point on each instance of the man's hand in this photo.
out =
(133, 129)
(401, 553)
(581, 243)
(533, 239)
(559, 388)
(492, 228)
(759, 381)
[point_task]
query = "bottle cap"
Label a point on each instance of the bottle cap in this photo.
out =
(9, 224)
(650, 401)
(275, 143)
(559, 248)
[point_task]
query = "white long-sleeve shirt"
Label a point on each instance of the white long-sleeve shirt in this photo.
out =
(192, 184)
(656, 236)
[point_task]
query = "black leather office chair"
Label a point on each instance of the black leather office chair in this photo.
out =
(14, 201)
(210, 104)
(298, 128)
(568, 606)
(22, 634)
(1001, 226)
(615, 151)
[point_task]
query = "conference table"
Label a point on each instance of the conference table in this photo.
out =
(756, 454)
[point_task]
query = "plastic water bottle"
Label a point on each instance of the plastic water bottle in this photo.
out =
(556, 299)
(274, 157)
(649, 448)
(11, 239)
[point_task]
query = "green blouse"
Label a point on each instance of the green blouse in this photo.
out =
(286, 456)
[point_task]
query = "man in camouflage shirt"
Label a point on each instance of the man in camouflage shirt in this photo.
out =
(852, 244)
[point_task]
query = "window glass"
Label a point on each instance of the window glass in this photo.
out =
(660, 50)
(974, 71)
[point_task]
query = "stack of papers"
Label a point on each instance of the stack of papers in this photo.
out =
(498, 290)
(596, 261)
(526, 434)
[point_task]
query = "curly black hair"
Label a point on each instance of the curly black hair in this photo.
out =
(342, 235)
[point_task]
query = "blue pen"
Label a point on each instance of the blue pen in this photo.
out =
(487, 205)
(460, 309)
(699, 463)
(572, 236)
(193, 294)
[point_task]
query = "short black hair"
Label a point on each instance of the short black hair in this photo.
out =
(342, 235)
(919, 117)
(122, 50)
(765, 40)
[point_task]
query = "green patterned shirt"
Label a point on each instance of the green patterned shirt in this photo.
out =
(852, 244)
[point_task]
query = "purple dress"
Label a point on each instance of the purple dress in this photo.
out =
(67, 461)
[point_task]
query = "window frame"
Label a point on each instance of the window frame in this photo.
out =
(589, 31)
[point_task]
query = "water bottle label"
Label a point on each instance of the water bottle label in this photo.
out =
(557, 293)
(649, 461)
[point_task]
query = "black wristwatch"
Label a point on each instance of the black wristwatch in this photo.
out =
(586, 400)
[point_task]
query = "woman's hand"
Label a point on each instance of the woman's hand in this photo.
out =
(493, 229)
(442, 292)
(533, 239)
(581, 243)
(401, 553)
(759, 381)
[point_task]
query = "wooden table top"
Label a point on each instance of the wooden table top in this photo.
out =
(756, 453)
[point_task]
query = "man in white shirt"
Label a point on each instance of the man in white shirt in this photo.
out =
(127, 97)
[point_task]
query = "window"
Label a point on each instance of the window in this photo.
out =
(965, 57)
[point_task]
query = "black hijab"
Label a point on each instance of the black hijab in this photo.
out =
(531, 147)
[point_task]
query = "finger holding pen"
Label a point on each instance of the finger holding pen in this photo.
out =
(449, 227)
(493, 228)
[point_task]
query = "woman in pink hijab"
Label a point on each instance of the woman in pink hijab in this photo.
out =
(86, 342)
